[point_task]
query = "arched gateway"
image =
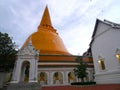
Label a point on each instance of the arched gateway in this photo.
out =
(25, 69)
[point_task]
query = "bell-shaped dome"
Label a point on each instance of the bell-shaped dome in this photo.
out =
(46, 39)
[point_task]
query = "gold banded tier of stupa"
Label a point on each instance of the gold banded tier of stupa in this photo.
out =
(46, 39)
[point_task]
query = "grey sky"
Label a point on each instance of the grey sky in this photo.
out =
(73, 19)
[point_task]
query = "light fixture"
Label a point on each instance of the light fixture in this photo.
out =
(118, 54)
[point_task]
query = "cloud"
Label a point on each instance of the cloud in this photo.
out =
(73, 19)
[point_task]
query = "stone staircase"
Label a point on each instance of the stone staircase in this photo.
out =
(5, 87)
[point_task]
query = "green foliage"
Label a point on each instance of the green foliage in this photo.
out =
(80, 70)
(7, 52)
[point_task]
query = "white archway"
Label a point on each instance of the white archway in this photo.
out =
(71, 77)
(24, 75)
(57, 78)
(42, 78)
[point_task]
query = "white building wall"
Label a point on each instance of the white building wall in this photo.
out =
(64, 70)
(104, 45)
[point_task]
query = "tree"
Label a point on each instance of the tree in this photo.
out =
(80, 70)
(7, 52)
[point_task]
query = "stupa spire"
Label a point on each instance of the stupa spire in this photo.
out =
(46, 20)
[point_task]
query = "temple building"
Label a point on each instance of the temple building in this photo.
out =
(44, 58)
(105, 48)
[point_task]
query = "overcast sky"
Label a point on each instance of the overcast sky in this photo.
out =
(73, 19)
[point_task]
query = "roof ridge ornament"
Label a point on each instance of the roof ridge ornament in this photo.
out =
(114, 25)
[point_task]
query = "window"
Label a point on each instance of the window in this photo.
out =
(101, 63)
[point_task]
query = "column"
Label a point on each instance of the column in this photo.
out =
(50, 78)
(65, 78)
(17, 72)
(33, 70)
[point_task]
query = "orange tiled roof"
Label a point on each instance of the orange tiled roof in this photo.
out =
(57, 58)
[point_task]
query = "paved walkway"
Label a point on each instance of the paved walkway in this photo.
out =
(92, 87)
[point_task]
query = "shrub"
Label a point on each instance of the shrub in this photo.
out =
(83, 83)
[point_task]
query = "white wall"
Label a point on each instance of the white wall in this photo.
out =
(105, 43)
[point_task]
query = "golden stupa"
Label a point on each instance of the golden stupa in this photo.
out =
(46, 39)
(48, 42)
